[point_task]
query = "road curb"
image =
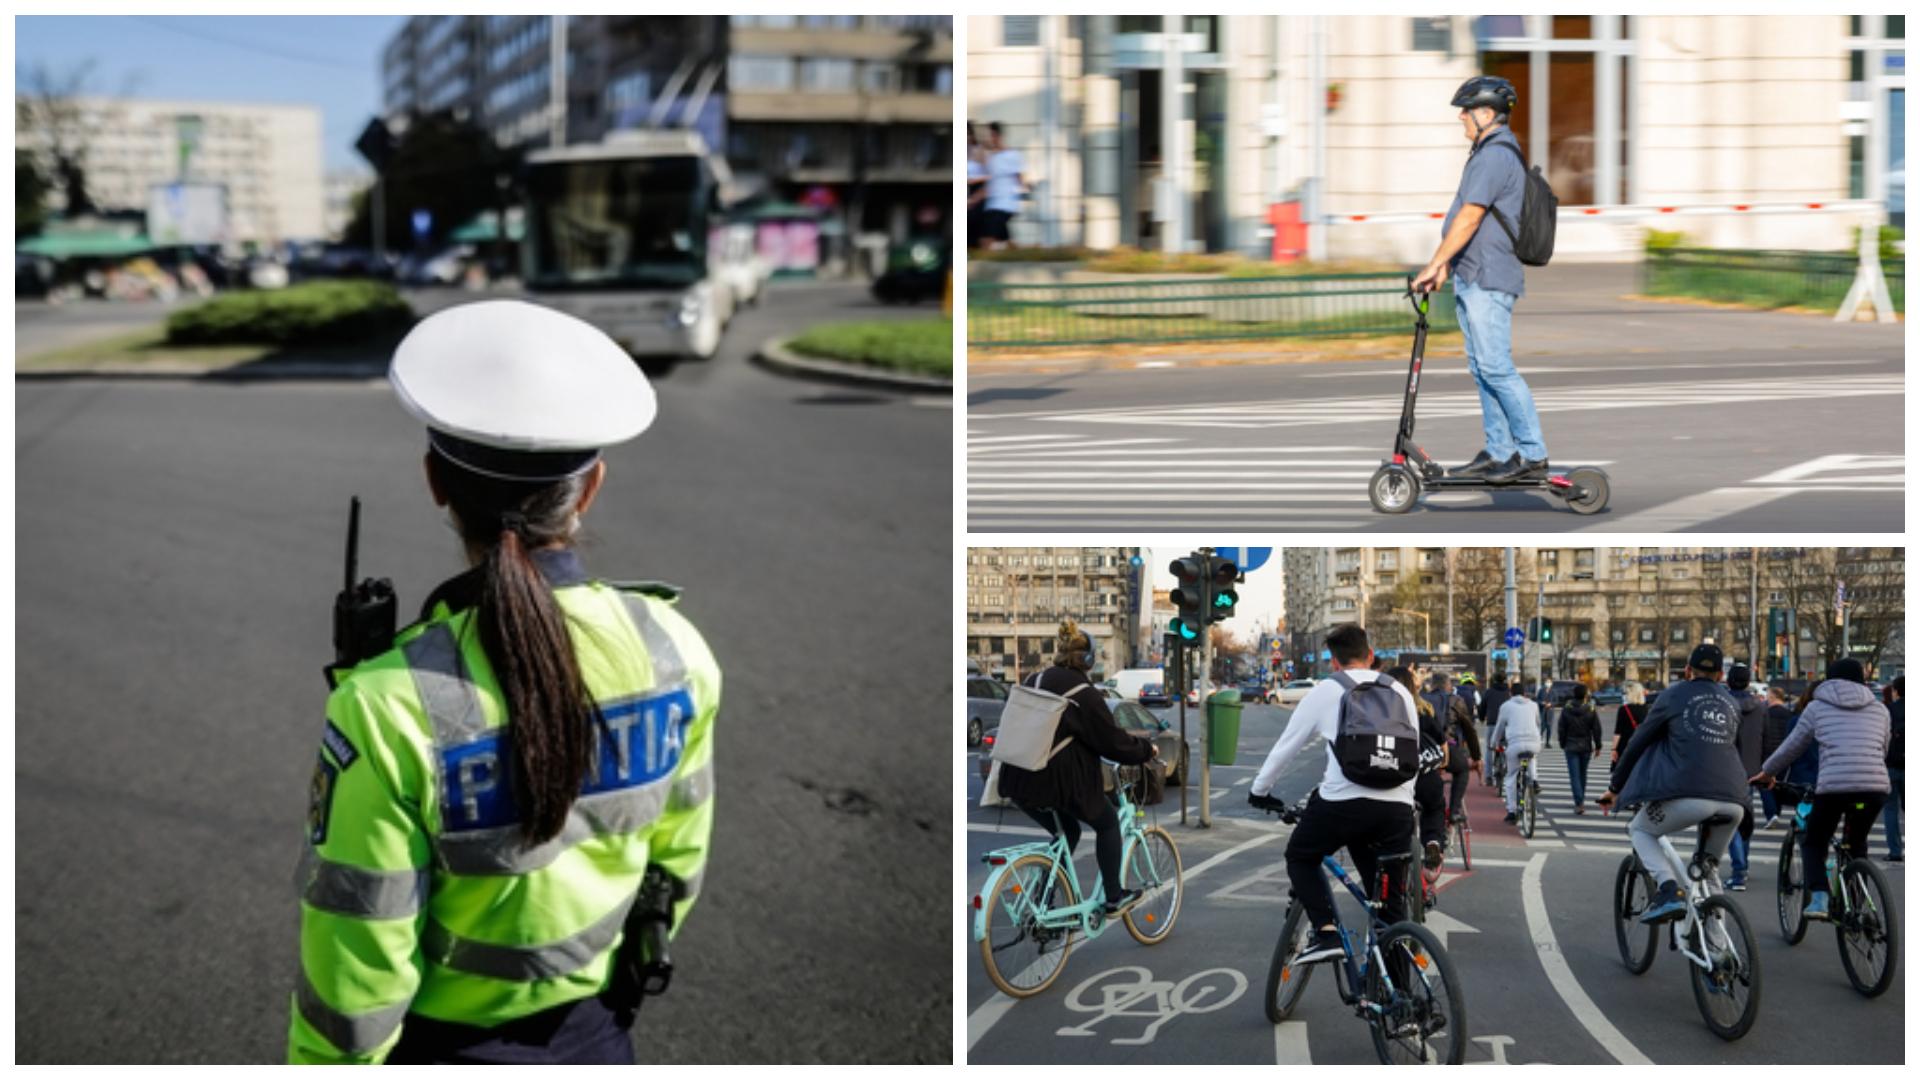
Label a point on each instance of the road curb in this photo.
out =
(242, 372)
(775, 356)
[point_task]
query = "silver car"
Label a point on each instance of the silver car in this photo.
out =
(985, 699)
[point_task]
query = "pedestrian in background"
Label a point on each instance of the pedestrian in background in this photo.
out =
(1779, 718)
(1579, 738)
(1631, 714)
(1752, 734)
(976, 187)
(1896, 765)
(1006, 186)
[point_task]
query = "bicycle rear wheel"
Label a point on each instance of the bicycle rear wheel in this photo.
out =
(1869, 930)
(1792, 890)
(1632, 896)
(1423, 1009)
(1729, 993)
(1463, 838)
(1152, 865)
(1286, 980)
(1529, 795)
(1022, 957)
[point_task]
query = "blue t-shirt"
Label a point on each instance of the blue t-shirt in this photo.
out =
(1493, 178)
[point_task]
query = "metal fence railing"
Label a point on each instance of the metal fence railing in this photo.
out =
(1001, 314)
(1807, 279)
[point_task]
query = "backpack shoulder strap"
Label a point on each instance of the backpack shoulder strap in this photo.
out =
(1345, 680)
(1513, 237)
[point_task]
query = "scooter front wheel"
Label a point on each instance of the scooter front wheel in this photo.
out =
(1394, 489)
(1593, 491)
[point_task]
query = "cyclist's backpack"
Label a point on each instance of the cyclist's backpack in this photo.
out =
(1377, 742)
(1539, 212)
(1028, 724)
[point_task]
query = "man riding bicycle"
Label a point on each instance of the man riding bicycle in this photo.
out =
(1369, 821)
(1518, 732)
(1682, 768)
(1073, 783)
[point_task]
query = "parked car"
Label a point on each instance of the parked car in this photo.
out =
(1609, 694)
(1255, 692)
(1293, 693)
(985, 699)
(1154, 696)
(1170, 768)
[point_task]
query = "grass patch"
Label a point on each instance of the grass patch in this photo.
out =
(140, 348)
(1031, 254)
(916, 346)
(314, 313)
(1764, 280)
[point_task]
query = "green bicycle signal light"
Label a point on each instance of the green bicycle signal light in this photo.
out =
(1222, 595)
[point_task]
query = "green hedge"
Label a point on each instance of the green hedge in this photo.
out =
(318, 312)
(921, 346)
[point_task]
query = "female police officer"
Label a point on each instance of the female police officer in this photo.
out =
(492, 789)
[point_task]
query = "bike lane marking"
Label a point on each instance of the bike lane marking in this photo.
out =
(995, 1008)
(1561, 975)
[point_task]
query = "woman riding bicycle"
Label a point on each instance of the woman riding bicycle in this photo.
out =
(1429, 790)
(1851, 727)
(1072, 786)
(1682, 769)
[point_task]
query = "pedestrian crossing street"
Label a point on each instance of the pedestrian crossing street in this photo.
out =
(1559, 827)
(1077, 481)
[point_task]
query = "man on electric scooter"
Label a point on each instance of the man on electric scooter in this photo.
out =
(1487, 280)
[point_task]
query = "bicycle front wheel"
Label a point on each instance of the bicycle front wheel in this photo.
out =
(1286, 980)
(1152, 865)
(1022, 957)
(1869, 930)
(1728, 992)
(1792, 890)
(1422, 1015)
(1632, 896)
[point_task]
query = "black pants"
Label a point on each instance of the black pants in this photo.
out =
(1430, 800)
(583, 1032)
(1369, 829)
(1106, 839)
(1457, 793)
(1858, 808)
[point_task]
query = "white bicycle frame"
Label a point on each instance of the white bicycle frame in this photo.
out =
(1697, 891)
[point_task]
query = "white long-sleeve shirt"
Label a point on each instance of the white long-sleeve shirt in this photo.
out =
(1319, 714)
(1518, 726)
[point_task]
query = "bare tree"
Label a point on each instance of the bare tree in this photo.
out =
(52, 113)
(1479, 597)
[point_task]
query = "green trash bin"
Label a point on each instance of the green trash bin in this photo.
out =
(1223, 726)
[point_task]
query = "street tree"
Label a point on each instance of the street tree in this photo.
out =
(1479, 596)
(58, 118)
(30, 190)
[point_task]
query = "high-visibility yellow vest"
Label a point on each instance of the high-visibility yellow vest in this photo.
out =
(416, 892)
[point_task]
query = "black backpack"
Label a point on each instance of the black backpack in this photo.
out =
(1377, 742)
(1539, 213)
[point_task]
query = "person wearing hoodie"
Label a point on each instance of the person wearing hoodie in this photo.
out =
(1518, 730)
(1579, 737)
(1852, 729)
(1753, 727)
(1682, 769)
(1779, 718)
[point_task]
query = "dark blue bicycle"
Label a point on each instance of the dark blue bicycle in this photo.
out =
(1398, 978)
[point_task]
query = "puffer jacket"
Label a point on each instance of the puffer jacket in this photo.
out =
(1684, 750)
(1852, 728)
(1579, 729)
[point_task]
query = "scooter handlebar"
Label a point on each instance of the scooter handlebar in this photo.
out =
(1417, 297)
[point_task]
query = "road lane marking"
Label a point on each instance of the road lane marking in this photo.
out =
(1290, 1044)
(1560, 973)
(1263, 838)
(982, 1019)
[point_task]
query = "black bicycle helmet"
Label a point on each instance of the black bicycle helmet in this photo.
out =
(1486, 91)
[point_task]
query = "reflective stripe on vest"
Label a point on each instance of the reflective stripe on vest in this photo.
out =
(350, 1033)
(523, 963)
(359, 892)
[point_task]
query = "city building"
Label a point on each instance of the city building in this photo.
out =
(342, 188)
(1016, 598)
(1611, 612)
(850, 116)
(266, 157)
(1351, 113)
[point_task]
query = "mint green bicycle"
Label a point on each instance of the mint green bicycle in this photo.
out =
(1029, 913)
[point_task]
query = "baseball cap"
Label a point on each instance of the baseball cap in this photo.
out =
(1705, 658)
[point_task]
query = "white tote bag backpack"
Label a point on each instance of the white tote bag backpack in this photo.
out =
(1028, 724)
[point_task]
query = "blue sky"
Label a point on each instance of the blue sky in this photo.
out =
(328, 61)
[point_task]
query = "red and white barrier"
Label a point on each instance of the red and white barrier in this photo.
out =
(1651, 210)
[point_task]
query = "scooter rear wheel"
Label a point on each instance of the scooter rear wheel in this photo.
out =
(1594, 491)
(1394, 489)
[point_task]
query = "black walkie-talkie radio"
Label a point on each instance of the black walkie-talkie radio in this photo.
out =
(363, 613)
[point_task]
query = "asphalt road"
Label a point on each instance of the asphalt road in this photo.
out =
(42, 327)
(1529, 930)
(1729, 421)
(179, 547)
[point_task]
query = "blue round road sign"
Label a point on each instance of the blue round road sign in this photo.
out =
(1514, 637)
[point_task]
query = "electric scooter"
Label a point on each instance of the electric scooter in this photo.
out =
(1398, 483)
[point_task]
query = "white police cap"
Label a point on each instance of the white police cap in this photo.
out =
(519, 391)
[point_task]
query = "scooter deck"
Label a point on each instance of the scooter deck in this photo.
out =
(1468, 483)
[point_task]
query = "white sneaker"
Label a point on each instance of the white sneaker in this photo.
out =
(1771, 822)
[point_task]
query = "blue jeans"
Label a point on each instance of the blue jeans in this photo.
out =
(1506, 405)
(1890, 815)
(1577, 773)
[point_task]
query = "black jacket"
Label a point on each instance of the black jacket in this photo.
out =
(1490, 703)
(1685, 750)
(1072, 781)
(1753, 729)
(1460, 733)
(1579, 728)
(1779, 719)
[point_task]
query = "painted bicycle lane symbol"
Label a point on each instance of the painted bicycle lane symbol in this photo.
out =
(1133, 993)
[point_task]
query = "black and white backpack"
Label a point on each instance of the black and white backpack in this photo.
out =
(1378, 739)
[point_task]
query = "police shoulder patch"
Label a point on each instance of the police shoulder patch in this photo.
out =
(320, 800)
(337, 744)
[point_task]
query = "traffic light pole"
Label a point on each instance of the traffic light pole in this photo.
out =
(1206, 728)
